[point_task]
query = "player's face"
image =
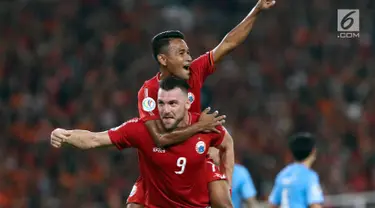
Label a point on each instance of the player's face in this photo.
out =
(178, 59)
(172, 106)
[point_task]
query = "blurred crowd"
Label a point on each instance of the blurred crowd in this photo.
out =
(79, 64)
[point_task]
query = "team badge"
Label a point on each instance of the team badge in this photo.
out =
(200, 147)
(148, 104)
(132, 192)
(191, 97)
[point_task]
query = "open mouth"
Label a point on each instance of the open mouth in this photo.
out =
(187, 67)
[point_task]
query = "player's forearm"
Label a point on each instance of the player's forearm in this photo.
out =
(238, 34)
(227, 163)
(82, 139)
(179, 135)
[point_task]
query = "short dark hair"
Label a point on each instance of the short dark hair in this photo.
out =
(173, 82)
(161, 40)
(301, 145)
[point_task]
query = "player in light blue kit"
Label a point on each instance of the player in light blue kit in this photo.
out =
(297, 185)
(243, 190)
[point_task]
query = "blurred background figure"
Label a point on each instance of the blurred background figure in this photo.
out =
(79, 64)
(243, 190)
(297, 185)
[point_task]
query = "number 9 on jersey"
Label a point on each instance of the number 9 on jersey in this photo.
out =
(181, 164)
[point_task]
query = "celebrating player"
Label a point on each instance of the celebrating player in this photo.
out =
(174, 174)
(297, 185)
(173, 56)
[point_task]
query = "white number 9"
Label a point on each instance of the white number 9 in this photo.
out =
(181, 163)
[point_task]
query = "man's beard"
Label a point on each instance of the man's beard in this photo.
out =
(174, 126)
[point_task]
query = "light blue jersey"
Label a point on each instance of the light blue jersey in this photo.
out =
(242, 185)
(296, 186)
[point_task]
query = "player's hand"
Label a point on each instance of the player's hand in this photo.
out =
(265, 4)
(58, 137)
(209, 121)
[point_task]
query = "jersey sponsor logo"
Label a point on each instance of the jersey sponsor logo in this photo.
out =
(200, 147)
(191, 97)
(148, 104)
(133, 191)
(158, 150)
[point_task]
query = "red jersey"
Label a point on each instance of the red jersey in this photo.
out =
(200, 69)
(174, 175)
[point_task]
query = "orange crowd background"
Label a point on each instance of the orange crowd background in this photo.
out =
(79, 64)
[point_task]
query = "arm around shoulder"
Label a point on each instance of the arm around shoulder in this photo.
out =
(162, 138)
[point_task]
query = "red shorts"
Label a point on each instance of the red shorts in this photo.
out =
(137, 192)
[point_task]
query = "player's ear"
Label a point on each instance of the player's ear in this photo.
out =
(188, 104)
(162, 59)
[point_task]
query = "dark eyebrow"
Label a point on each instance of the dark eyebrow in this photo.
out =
(173, 101)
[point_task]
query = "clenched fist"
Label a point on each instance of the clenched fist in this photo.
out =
(59, 136)
(265, 4)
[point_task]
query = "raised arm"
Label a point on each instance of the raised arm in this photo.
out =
(227, 156)
(207, 122)
(82, 139)
(238, 34)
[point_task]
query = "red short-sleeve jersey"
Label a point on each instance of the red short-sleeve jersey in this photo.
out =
(176, 176)
(200, 68)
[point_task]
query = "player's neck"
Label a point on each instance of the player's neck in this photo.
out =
(307, 163)
(185, 121)
(163, 73)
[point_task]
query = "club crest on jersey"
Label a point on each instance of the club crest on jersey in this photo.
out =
(200, 147)
(148, 104)
(191, 97)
